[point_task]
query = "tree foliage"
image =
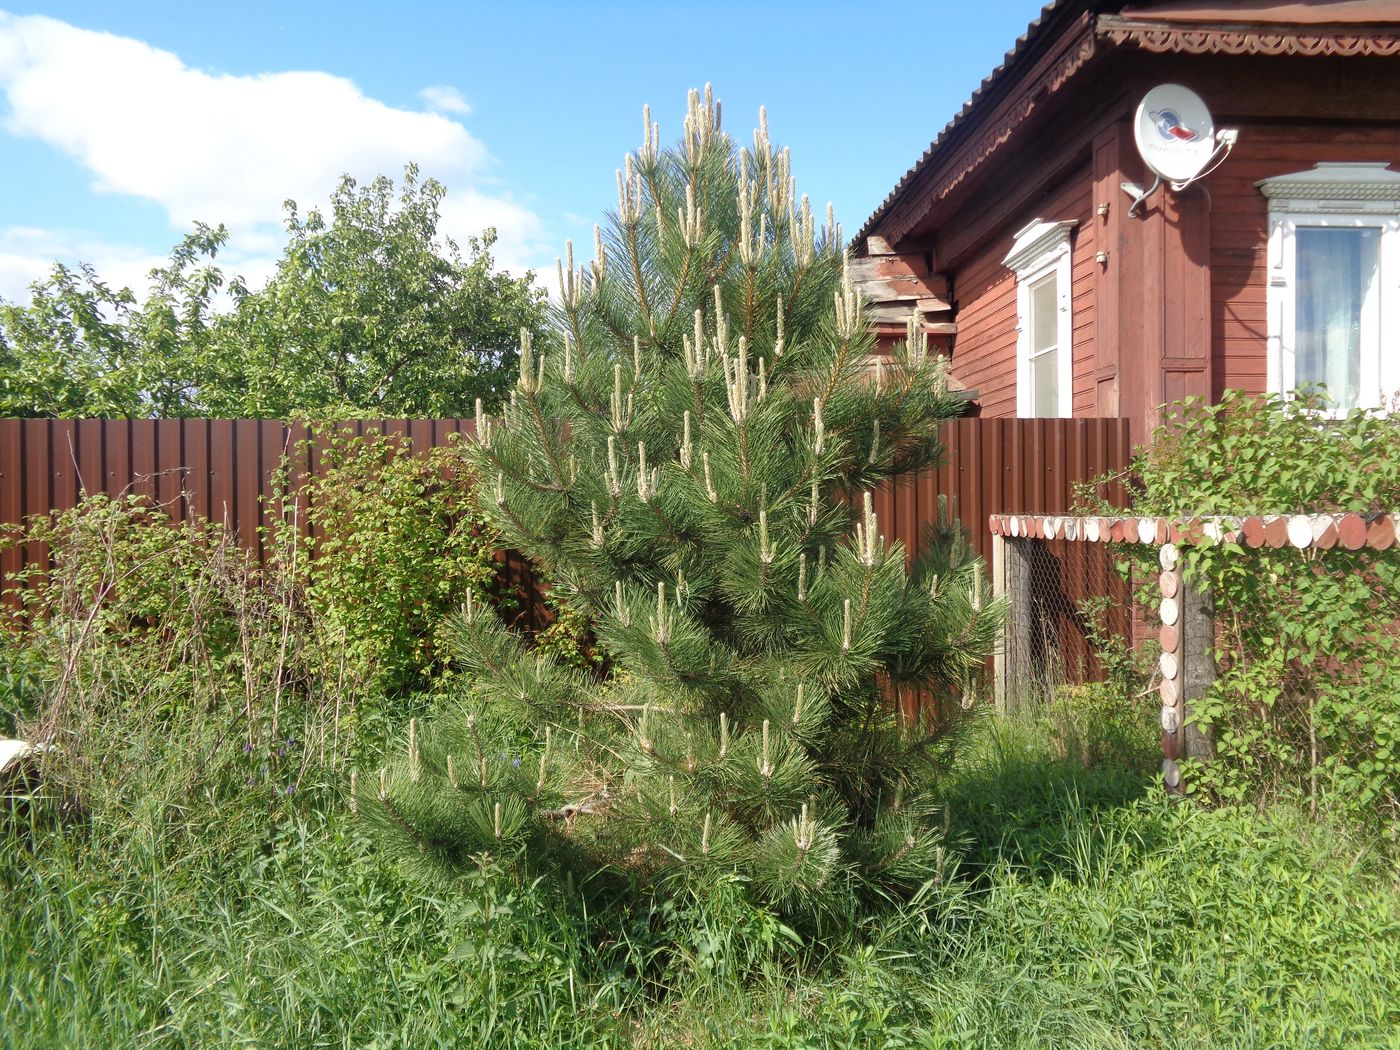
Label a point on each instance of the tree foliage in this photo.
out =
(83, 348)
(370, 312)
(684, 468)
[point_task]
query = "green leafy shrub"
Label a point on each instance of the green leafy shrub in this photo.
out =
(395, 548)
(149, 644)
(162, 669)
(1308, 692)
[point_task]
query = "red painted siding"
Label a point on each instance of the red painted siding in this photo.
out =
(1179, 306)
(984, 291)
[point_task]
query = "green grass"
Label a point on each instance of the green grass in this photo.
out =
(1088, 911)
(309, 939)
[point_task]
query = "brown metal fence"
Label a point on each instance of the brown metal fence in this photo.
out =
(221, 469)
(1023, 465)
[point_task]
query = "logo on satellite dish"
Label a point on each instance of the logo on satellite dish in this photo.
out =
(1170, 127)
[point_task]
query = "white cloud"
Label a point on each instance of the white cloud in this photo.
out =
(27, 254)
(216, 147)
(445, 99)
(519, 232)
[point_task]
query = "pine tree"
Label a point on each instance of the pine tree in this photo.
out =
(693, 465)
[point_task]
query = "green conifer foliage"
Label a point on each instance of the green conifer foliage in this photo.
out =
(693, 466)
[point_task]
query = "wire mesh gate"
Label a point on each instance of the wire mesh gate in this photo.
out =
(1032, 564)
(1069, 613)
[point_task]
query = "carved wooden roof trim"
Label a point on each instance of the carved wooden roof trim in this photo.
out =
(1249, 39)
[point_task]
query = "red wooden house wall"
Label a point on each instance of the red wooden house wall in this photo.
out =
(1175, 305)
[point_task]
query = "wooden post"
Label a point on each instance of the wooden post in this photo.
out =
(1187, 666)
(1170, 665)
(1198, 665)
(1015, 648)
(999, 652)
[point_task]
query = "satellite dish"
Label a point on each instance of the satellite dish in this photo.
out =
(1175, 133)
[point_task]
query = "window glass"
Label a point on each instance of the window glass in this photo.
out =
(1044, 322)
(1045, 383)
(1337, 273)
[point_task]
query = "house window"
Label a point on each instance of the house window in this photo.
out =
(1334, 282)
(1040, 257)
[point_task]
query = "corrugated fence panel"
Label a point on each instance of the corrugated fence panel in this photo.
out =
(1004, 466)
(222, 469)
(11, 492)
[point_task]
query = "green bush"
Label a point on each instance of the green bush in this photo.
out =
(1308, 694)
(168, 639)
(395, 550)
(179, 872)
(162, 669)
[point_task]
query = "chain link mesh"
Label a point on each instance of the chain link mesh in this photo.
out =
(1069, 616)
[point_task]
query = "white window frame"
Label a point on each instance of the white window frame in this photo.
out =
(1040, 250)
(1353, 195)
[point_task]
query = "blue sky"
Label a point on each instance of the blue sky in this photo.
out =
(120, 124)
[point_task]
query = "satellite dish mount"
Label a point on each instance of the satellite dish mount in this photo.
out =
(1177, 140)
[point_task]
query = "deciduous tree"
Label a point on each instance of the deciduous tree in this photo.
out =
(371, 312)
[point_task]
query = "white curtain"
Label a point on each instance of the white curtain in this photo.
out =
(1337, 269)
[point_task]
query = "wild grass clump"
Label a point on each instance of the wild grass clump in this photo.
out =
(163, 674)
(178, 865)
(303, 938)
(1094, 911)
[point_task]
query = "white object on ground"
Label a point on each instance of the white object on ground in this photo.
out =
(12, 752)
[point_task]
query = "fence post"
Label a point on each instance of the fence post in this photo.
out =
(999, 651)
(1187, 665)
(1198, 670)
(1011, 573)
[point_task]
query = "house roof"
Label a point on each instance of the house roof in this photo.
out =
(990, 82)
(1349, 27)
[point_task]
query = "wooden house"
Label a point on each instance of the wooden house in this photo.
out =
(1013, 239)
